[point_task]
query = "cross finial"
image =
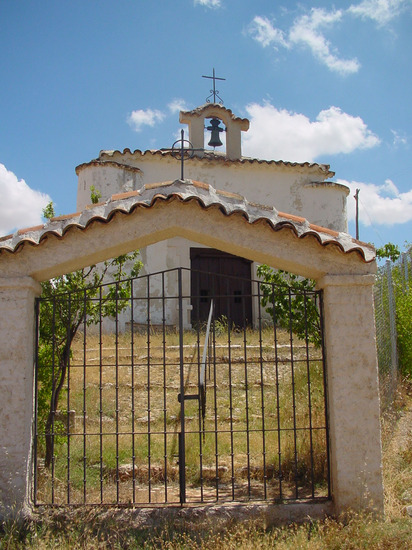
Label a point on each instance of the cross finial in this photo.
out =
(214, 92)
(182, 149)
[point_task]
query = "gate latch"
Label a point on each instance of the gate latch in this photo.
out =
(187, 397)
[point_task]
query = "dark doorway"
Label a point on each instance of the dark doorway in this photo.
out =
(228, 279)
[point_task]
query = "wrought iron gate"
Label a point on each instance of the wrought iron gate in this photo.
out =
(156, 407)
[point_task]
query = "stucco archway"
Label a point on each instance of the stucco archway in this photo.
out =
(344, 268)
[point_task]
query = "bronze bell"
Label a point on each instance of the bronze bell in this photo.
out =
(215, 129)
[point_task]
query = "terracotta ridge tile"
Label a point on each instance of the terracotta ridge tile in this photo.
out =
(100, 162)
(92, 205)
(65, 217)
(125, 195)
(291, 217)
(200, 184)
(229, 194)
(28, 229)
(6, 237)
(261, 206)
(158, 184)
(362, 243)
(320, 229)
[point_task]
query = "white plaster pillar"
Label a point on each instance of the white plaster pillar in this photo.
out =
(353, 392)
(233, 141)
(197, 133)
(17, 333)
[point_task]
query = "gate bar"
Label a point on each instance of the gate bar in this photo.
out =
(202, 381)
(182, 457)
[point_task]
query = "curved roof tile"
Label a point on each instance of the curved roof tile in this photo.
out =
(106, 157)
(213, 106)
(185, 190)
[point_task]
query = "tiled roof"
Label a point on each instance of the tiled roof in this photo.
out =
(107, 156)
(185, 190)
(97, 162)
(215, 107)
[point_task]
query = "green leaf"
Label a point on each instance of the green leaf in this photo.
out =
(291, 303)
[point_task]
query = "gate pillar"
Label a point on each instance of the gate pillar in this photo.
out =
(17, 332)
(353, 392)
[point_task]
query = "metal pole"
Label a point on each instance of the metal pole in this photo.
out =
(182, 155)
(357, 213)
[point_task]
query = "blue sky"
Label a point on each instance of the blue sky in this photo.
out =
(320, 81)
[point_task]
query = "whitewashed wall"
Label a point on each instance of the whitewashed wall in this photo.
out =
(295, 189)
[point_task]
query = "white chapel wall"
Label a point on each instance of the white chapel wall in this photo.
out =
(298, 190)
(292, 188)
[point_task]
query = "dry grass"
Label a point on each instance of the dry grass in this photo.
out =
(128, 391)
(397, 453)
(96, 528)
(87, 529)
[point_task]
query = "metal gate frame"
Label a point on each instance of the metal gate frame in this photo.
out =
(276, 482)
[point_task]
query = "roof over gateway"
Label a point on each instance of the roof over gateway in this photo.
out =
(185, 191)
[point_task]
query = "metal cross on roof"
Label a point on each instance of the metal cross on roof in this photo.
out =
(182, 149)
(214, 92)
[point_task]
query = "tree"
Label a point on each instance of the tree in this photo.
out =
(291, 302)
(68, 302)
(388, 250)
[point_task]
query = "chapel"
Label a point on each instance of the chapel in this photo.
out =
(302, 190)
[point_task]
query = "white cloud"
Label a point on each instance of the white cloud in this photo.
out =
(20, 206)
(379, 204)
(399, 138)
(208, 3)
(177, 105)
(264, 32)
(147, 117)
(281, 134)
(150, 117)
(306, 32)
(380, 11)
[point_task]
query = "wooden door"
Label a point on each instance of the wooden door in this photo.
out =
(227, 279)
